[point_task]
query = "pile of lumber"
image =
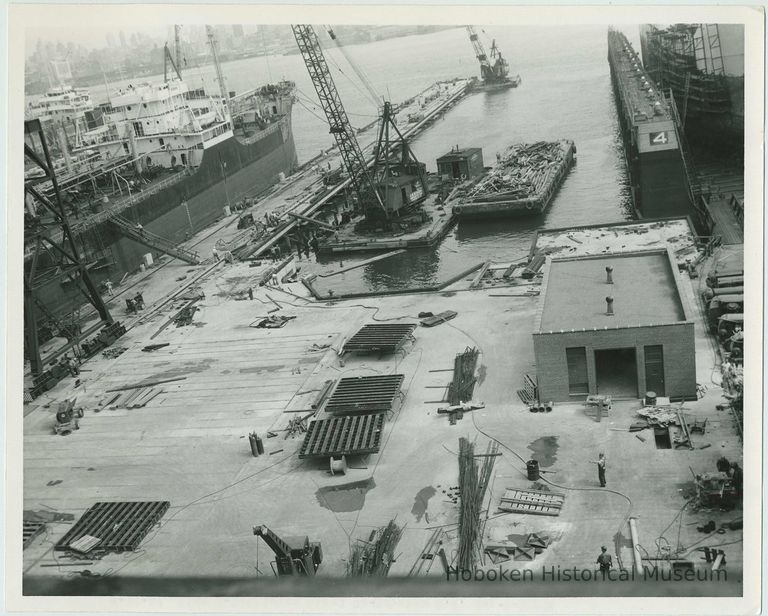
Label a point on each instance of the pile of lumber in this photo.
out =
(374, 557)
(473, 483)
(463, 384)
(133, 398)
(522, 172)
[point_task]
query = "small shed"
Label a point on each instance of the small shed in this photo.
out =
(461, 163)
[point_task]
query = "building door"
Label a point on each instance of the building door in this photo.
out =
(654, 369)
(455, 169)
(578, 382)
(616, 372)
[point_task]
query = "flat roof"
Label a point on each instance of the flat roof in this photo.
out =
(459, 154)
(644, 290)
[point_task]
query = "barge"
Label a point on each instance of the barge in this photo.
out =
(524, 181)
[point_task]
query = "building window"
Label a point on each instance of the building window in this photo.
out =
(162, 141)
(139, 129)
(578, 382)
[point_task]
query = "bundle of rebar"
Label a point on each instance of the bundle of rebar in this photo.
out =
(522, 172)
(463, 384)
(374, 557)
(473, 484)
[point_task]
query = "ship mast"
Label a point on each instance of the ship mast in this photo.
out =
(177, 48)
(219, 73)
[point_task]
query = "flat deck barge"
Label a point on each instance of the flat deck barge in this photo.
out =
(524, 182)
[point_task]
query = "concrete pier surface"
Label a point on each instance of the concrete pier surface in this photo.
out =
(190, 445)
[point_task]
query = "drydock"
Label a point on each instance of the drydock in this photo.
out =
(656, 159)
(247, 427)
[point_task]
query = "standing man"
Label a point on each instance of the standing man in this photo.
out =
(108, 287)
(250, 292)
(600, 469)
(604, 560)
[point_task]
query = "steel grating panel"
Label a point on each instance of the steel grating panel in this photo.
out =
(343, 436)
(31, 530)
(384, 337)
(121, 526)
(364, 394)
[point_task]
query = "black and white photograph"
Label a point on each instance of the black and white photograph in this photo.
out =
(418, 308)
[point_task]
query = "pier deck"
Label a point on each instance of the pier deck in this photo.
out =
(189, 446)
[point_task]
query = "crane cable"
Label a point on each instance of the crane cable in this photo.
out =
(373, 95)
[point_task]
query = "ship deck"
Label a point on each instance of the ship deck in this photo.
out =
(190, 445)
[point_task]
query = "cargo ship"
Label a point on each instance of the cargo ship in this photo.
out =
(703, 65)
(523, 182)
(167, 159)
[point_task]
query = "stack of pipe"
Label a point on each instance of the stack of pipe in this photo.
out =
(473, 484)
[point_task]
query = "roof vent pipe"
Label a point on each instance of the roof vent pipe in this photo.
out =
(609, 306)
(609, 274)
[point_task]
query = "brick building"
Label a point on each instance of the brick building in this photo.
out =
(615, 324)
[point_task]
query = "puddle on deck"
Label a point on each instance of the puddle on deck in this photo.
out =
(544, 450)
(421, 502)
(345, 497)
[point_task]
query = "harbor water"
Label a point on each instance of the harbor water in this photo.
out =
(565, 93)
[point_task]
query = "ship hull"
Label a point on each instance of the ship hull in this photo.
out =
(230, 170)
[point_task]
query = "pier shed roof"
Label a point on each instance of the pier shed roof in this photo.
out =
(645, 290)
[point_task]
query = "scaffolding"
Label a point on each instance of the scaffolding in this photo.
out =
(687, 58)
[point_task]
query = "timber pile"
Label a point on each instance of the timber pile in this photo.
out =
(134, 398)
(463, 384)
(374, 557)
(522, 172)
(473, 483)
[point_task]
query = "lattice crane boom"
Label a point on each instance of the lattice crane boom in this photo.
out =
(485, 65)
(340, 128)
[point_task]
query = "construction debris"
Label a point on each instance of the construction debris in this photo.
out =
(184, 317)
(429, 554)
(524, 171)
(113, 352)
(436, 319)
(375, 556)
(274, 321)
(473, 485)
(153, 347)
(456, 411)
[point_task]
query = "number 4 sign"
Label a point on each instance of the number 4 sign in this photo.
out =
(659, 138)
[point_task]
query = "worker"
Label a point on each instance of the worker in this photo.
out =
(250, 292)
(108, 287)
(604, 560)
(139, 300)
(130, 306)
(737, 477)
(139, 228)
(215, 254)
(601, 469)
(74, 367)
